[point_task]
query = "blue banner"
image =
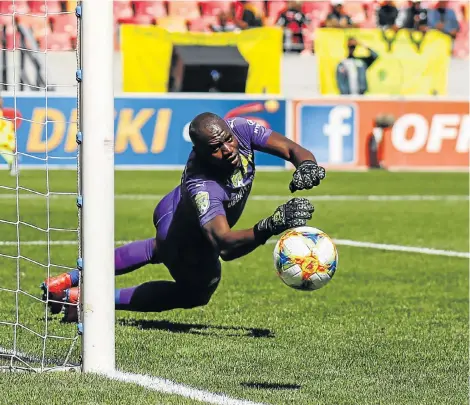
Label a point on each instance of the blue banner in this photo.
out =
(148, 131)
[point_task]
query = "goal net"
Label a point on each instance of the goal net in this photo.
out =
(45, 109)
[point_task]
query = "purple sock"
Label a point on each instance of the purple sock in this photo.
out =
(133, 256)
(75, 277)
(123, 296)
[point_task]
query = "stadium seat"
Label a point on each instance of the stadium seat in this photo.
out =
(64, 23)
(185, 9)
(173, 24)
(9, 6)
(38, 24)
(43, 7)
(211, 8)
(56, 41)
(12, 38)
(155, 9)
(316, 10)
(275, 8)
(142, 19)
(356, 11)
(122, 9)
(198, 25)
(6, 19)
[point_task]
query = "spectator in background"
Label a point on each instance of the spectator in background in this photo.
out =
(351, 72)
(338, 18)
(293, 21)
(246, 15)
(8, 140)
(413, 17)
(386, 15)
(224, 24)
(443, 19)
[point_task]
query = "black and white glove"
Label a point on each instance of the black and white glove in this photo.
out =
(307, 175)
(292, 214)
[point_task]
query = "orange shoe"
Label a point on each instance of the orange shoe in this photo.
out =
(72, 295)
(53, 290)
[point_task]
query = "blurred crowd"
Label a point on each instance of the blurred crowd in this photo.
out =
(53, 22)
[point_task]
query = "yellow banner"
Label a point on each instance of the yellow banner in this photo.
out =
(408, 63)
(146, 54)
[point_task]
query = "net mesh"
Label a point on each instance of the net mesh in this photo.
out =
(39, 224)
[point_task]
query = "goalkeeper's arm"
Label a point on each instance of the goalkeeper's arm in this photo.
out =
(234, 244)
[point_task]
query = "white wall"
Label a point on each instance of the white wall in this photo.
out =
(299, 74)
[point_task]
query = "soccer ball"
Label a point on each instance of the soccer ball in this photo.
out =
(305, 258)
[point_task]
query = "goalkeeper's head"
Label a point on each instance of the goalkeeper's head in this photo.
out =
(214, 142)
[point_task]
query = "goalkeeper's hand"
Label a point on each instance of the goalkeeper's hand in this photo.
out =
(292, 214)
(307, 175)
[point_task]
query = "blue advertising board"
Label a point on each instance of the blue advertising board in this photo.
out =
(329, 131)
(149, 131)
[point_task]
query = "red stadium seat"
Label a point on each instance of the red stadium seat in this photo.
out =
(155, 9)
(185, 9)
(461, 47)
(6, 20)
(173, 24)
(64, 23)
(10, 6)
(275, 8)
(316, 10)
(43, 7)
(12, 39)
(198, 25)
(56, 41)
(356, 11)
(142, 19)
(211, 8)
(38, 24)
(122, 9)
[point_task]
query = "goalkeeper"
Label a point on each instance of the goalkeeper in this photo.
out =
(193, 222)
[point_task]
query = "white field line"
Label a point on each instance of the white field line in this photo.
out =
(170, 387)
(146, 381)
(156, 197)
(339, 242)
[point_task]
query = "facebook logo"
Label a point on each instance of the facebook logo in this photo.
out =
(328, 131)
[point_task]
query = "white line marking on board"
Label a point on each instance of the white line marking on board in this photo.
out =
(170, 387)
(157, 197)
(339, 242)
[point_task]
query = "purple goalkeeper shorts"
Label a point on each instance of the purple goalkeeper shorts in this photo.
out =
(182, 247)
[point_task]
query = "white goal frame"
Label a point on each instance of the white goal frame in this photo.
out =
(96, 182)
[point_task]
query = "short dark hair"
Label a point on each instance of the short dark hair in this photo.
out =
(201, 122)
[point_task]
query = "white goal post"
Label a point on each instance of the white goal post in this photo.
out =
(41, 235)
(96, 41)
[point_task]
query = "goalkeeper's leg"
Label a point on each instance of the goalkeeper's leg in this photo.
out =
(127, 258)
(193, 288)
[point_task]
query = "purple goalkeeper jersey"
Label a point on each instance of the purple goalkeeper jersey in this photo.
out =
(202, 195)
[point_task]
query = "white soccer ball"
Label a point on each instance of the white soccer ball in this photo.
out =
(305, 258)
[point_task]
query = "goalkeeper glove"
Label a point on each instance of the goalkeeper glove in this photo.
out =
(307, 175)
(292, 214)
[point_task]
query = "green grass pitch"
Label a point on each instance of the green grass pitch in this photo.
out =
(390, 328)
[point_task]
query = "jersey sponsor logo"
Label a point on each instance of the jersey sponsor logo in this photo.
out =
(202, 202)
(236, 198)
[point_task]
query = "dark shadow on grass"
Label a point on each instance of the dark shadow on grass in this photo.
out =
(270, 386)
(198, 329)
